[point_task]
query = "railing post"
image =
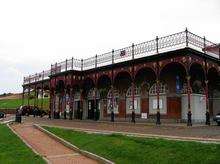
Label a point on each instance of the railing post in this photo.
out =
(113, 56)
(96, 61)
(66, 65)
(22, 103)
(51, 67)
(157, 49)
(43, 76)
(132, 51)
(204, 44)
(81, 64)
(55, 68)
(187, 39)
(72, 64)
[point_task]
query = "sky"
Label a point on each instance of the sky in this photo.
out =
(36, 34)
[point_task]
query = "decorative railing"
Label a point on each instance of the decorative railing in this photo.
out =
(153, 47)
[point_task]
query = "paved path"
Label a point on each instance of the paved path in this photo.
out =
(52, 150)
(176, 130)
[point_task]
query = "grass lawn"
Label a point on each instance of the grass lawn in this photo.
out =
(15, 103)
(14, 151)
(123, 149)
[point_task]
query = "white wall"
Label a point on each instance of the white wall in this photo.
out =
(198, 107)
(152, 99)
(136, 106)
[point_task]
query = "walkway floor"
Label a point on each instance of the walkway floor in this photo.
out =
(202, 132)
(52, 150)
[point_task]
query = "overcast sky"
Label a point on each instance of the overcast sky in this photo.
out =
(35, 34)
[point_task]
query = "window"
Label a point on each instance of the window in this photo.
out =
(162, 89)
(136, 91)
(93, 93)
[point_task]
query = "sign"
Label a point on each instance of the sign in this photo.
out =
(144, 115)
(122, 53)
(131, 104)
(155, 103)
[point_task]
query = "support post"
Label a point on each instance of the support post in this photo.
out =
(42, 91)
(132, 86)
(29, 95)
(158, 102)
(187, 39)
(42, 95)
(158, 94)
(72, 64)
(206, 92)
(204, 44)
(189, 114)
(112, 104)
(22, 103)
(35, 95)
(112, 90)
(157, 46)
(55, 68)
(71, 104)
(66, 65)
(65, 91)
(113, 56)
(207, 103)
(81, 64)
(96, 61)
(81, 105)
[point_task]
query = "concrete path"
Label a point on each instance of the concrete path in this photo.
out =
(52, 150)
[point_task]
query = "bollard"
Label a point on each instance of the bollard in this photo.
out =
(207, 118)
(158, 118)
(112, 117)
(189, 116)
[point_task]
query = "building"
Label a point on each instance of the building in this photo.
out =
(172, 77)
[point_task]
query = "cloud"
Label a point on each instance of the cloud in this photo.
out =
(35, 34)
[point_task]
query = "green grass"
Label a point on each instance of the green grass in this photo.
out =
(123, 149)
(14, 151)
(15, 103)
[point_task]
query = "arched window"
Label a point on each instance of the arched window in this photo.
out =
(133, 104)
(116, 93)
(197, 87)
(93, 93)
(137, 91)
(162, 89)
(115, 101)
(77, 96)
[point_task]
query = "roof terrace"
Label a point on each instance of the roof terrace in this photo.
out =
(153, 47)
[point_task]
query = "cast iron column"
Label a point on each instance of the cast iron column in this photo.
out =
(35, 95)
(28, 95)
(42, 94)
(207, 103)
(189, 114)
(132, 86)
(158, 96)
(71, 103)
(158, 102)
(22, 103)
(112, 90)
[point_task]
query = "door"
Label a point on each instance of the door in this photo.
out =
(91, 107)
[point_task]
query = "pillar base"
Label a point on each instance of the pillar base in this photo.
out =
(189, 118)
(158, 118)
(207, 118)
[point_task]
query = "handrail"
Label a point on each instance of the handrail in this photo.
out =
(158, 45)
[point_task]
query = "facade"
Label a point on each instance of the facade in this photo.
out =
(176, 77)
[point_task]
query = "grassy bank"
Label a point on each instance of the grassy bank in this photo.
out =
(15, 103)
(123, 149)
(14, 151)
